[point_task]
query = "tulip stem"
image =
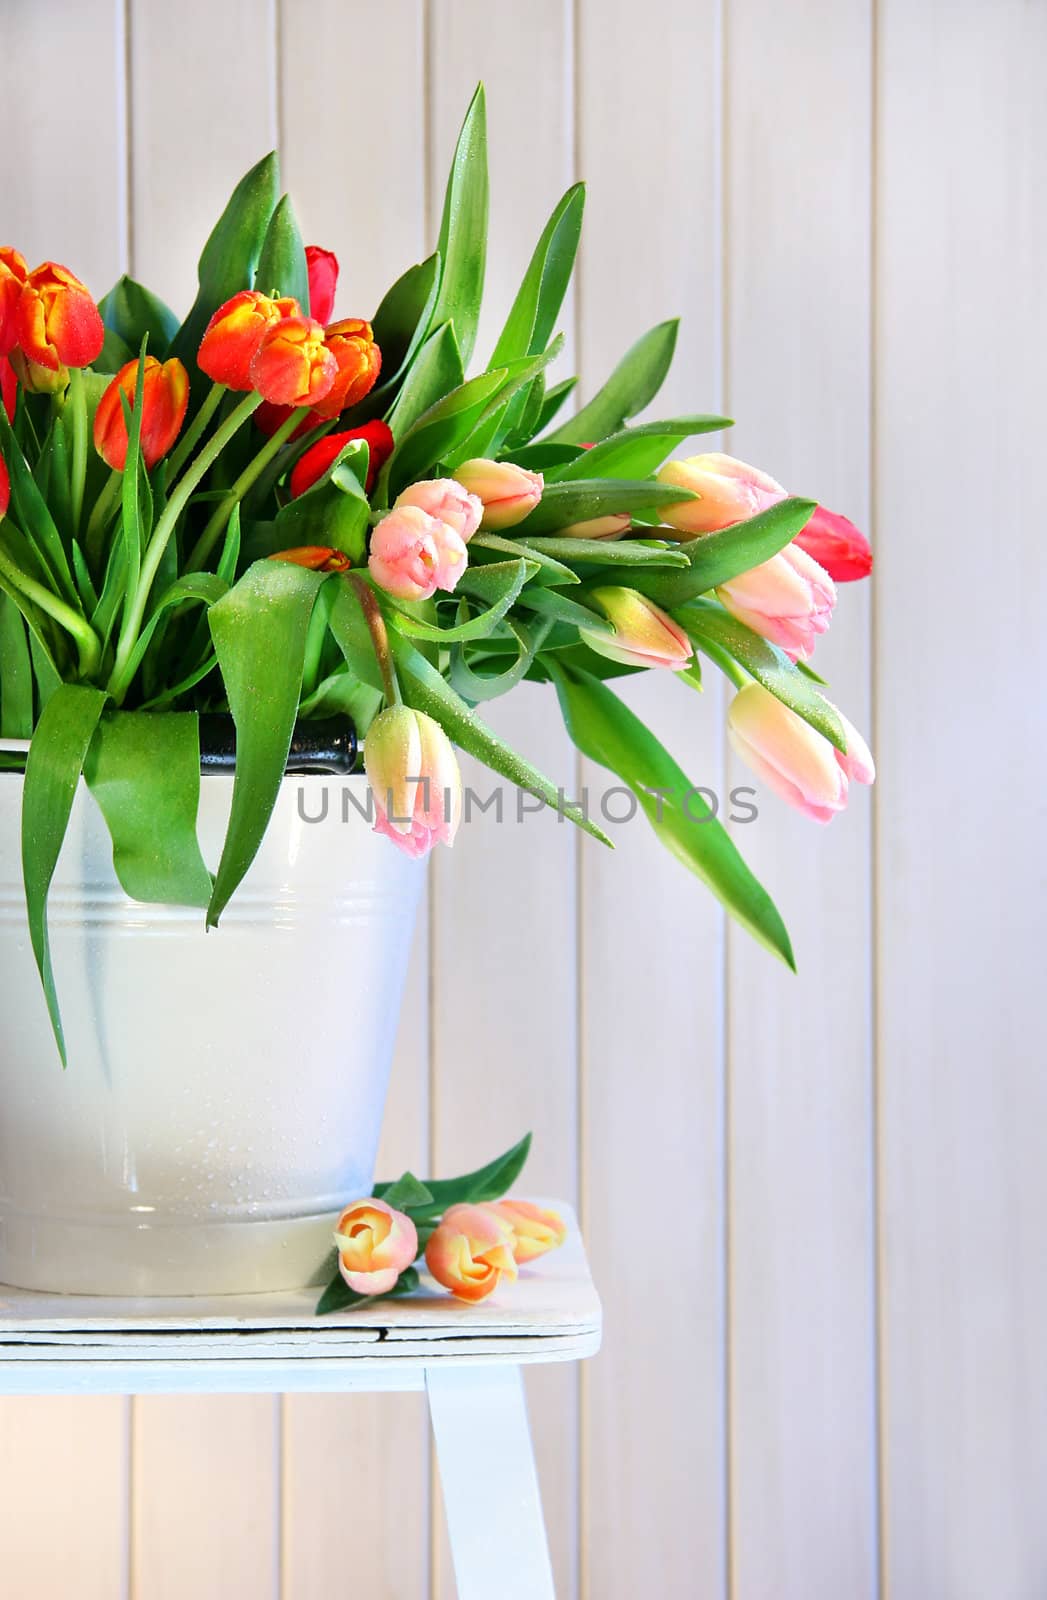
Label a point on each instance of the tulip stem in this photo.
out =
(225, 508)
(196, 429)
(78, 401)
(134, 614)
(101, 513)
(88, 646)
(379, 636)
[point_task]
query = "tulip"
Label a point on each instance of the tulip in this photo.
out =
(534, 1230)
(606, 528)
(165, 396)
(13, 273)
(322, 266)
(414, 554)
(59, 324)
(232, 336)
(37, 379)
(292, 365)
(508, 492)
(471, 1251)
(836, 545)
(5, 488)
(317, 557)
(358, 361)
(8, 387)
(788, 600)
(316, 460)
(728, 491)
(375, 1243)
(415, 780)
(448, 502)
(645, 635)
(791, 757)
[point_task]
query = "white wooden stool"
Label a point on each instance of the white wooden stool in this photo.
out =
(466, 1358)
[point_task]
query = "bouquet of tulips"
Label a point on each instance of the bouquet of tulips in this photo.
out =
(267, 513)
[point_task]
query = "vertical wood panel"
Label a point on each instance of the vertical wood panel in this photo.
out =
(203, 110)
(960, 421)
(653, 1469)
(504, 1022)
(63, 1462)
(801, 1227)
(356, 1467)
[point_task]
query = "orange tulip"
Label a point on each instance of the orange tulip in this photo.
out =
(534, 1230)
(234, 333)
(358, 363)
(292, 365)
(317, 557)
(13, 273)
(164, 400)
(58, 322)
(471, 1252)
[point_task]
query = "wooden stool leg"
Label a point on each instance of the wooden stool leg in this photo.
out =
(494, 1508)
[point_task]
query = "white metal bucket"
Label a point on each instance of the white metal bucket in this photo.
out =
(225, 1090)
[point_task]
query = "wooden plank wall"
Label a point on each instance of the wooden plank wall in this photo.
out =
(813, 1204)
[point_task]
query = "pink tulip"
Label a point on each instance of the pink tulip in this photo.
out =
(415, 780)
(471, 1252)
(447, 501)
(645, 635)
(508, 492)
(414, 554)
(728, 491)
(791, 757)
(534, 1230)
(836, 545)
(375, 1244)
(788, 600)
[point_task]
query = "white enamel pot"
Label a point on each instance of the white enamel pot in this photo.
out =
(225, 1090)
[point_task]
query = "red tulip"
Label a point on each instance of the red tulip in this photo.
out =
(293, 366)
(232, 336)
(323, 280)
(836, 545)
(5, 487)
(58, 322)
(164, 401)
(8, 387)
(358, 363)
(319, 456)
(13, 274)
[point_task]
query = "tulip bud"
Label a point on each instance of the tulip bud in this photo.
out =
(414, 777)
(375, 1244)
(317, 557)
(232, 336)
(292, 365)
(508, 492)
(836, 545)
(8, 387)
(606, 528)
(58, 322)
(414, 554)
(165, 396)
(793, 758)
(13, 273)
(728, 491)
(645, 635)
(534, 1231)
(358, 362)
(316, 460)
(322, 267)
(5, 488)
(448, 502)
(788, 600)
(470, 1252)
(36, 379)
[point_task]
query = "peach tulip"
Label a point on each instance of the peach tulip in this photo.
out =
(645, 635)
(448, 502)
(794, 759)
(414, 777)
(375, 1244)
(728, 491)
(471, 1251)
(788, 599)
(508, 492)
(534, 1230)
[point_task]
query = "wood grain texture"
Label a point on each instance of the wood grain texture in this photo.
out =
(959, 424)
(651, 938)
(802, 1359)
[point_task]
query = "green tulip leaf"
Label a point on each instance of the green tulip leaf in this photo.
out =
(632, 385)
(132, 312)
(512, 575)
(583, 499)
(636, 452)
(473, 1188)
(716, 558)
(16, 674)
(282, 268)
(463, 231)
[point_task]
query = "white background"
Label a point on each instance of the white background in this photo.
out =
(814, 1205)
